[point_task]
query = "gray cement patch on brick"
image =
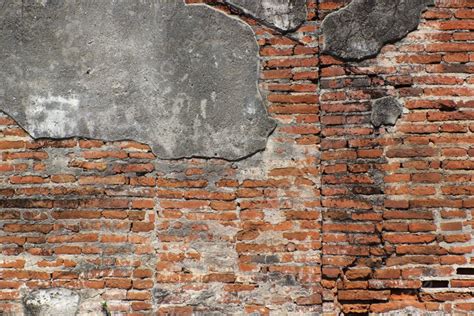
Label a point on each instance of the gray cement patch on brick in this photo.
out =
(385, 111)
(361, 29)
(181, 78)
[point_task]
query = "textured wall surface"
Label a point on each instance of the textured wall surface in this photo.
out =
(352, 208)
(158, 72)
(286, 15)
(361, 29)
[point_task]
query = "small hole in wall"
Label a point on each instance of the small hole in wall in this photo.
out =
(435, 284)
(403, 85)
(465, 271)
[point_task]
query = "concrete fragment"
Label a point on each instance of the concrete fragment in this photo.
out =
(360, 30)
(180, 78)
(46, 302)
(285, 15)
(386, 111)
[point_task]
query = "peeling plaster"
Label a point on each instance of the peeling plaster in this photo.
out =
(361, 29)
(182, 79)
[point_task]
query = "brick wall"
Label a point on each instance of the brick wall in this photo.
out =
(397, 217)
(334, 216)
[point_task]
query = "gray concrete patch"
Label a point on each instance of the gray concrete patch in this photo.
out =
(285, 15)
(47, 302)
(180, 78)
(361, 29)
(386, 111)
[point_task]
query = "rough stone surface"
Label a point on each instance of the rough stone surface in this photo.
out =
(360, 30)
(46, 302)
(286, 15)
(386, 111)
(158, 72)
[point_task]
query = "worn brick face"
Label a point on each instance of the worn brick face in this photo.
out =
(333, 217)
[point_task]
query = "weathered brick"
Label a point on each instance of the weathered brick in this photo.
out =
(334, 209)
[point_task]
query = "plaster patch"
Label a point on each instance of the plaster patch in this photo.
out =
(362, 28)
(385, 111)
(177, 77)
(55, 301)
